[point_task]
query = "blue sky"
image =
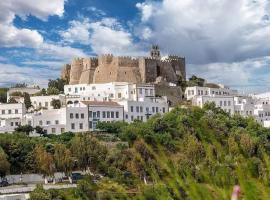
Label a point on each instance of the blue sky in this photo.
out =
(224, 41)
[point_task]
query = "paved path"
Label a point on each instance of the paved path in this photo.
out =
(29, 188)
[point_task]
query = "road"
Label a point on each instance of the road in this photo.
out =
(14, 189)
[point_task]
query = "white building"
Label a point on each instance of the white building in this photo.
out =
(10, 116)
(103, 111)
(39, 102)
(52, 121)
(143, 110)
(244, 105)
(77, 118)
(115, 91)
(226, 103)
(191, 92)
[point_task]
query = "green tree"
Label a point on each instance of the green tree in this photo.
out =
(88, 151)
(58, 84)
(56, 103)
(4, 164)
(39, 130)
(12, 100)
(3, 95)
(63, 159)
(27, 100)
(44, 160)
(52, 91)
(27, 129)
(195, 81)
(40, 194)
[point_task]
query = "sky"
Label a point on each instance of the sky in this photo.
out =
(223, 41)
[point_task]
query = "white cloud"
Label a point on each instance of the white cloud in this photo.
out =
(146, 9)
(12, 36)
(209, 31)
(10, 74)
(106, 35)
(77, 32)
(51, 64)
(249, 75)
(95, 11)
(62, 52)
(109, 36)
(23, 8)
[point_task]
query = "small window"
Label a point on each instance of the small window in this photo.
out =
(117, 114)
(3, 112)
(90, 125)
(72, 126)
(131, 108)
(16, 111)
(108, 114)
(11, 124)
(71, 115)
(90, 114)
(9, 111)
(82, 115)
(40, 123)
(104, 114)
(98, 114)
(141, 109)
(56, 122)
(48, 122)
(53, 130)
(112, 114)
(126, 116)
(81, 125)
(137, 109)
(163, 110)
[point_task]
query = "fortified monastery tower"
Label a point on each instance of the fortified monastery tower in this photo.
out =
(109, 68)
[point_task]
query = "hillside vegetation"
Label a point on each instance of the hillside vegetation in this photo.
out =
(189, 153)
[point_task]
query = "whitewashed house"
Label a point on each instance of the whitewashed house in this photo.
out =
(103, 111)
(191, 92)
(226, 103)
(10, 116)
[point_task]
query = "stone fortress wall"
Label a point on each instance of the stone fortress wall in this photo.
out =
(109, 68)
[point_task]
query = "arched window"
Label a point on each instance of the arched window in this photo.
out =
(69, 102)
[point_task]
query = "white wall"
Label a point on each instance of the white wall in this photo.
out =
(191, 92)
(14, 110)
(102, 113)
(142, 110)
(43, 101)
(226, 103)
(114, 91)
(77, 119)
(52, 121)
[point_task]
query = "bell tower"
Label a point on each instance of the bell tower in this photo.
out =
(155, 52)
